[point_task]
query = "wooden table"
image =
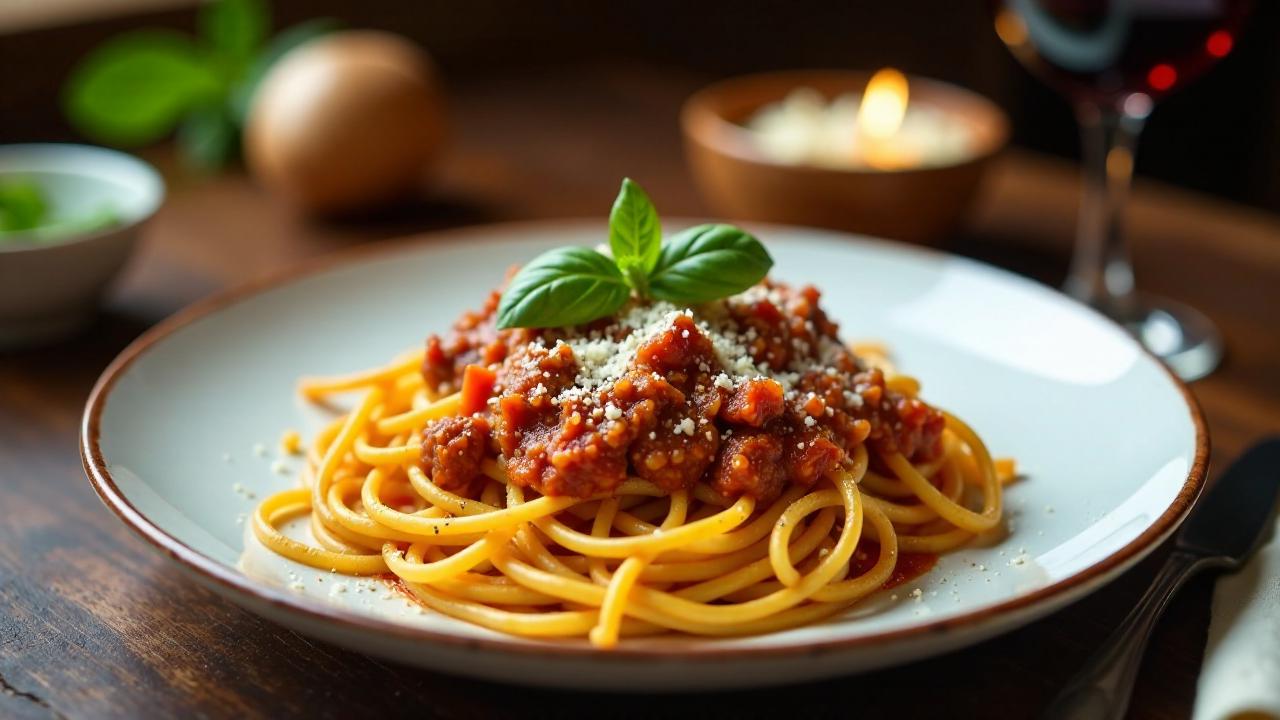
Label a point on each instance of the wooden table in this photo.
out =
(93, 624)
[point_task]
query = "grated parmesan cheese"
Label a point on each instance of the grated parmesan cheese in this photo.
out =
(602, 360)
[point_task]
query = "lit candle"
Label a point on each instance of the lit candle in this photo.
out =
(877, 129)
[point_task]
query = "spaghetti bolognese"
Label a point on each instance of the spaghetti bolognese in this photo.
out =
(711, 472)
(728, 467)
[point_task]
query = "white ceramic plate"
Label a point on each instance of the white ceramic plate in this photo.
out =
(1114, 449)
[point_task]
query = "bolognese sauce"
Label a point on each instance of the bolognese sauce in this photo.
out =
(751, 393)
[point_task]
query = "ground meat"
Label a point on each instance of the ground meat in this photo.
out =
(920, 432)
(581, 448)
(475, 340)
(675, 415)
(523, 433)
(804, 310)
(765, 325)
(582, 462)
(678, 351)
(529, 366)
(899, 424)
(827, 387)
(754, 404)
(671, 460)
(452, 450)
(684, 443)
(598, 449)
(810, 454)
(750, 463)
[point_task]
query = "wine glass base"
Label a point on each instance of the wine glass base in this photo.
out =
(1181, 336)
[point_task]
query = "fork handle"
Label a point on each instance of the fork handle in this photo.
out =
(1101, 690)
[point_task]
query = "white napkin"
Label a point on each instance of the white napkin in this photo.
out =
(1241, 674)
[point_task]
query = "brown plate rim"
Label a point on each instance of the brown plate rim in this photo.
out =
(95, 467)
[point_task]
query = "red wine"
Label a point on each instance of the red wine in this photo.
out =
(1103, 51)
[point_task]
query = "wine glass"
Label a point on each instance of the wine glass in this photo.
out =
(1113, 59)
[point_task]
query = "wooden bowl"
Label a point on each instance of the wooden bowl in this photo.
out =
(922, 205)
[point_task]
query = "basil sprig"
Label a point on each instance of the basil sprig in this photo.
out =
(708, 262)
(635, 235)
(575, 285)
(140, 86)
(566, 286)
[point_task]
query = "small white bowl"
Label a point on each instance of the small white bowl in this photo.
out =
(51, 287)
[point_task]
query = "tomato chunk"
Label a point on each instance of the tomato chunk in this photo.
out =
(477, 388)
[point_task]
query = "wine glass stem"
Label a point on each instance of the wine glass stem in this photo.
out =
(1101, 274)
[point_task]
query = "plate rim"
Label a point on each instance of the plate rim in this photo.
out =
(228, 578)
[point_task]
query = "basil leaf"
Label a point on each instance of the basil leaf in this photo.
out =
(635, 234)
(22, 205)
(136, 87)
(561, 287)
(708, 262)
(234, 29)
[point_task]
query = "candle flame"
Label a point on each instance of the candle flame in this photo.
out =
(884, 103)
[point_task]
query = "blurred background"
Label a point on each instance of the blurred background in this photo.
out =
(1216, 136)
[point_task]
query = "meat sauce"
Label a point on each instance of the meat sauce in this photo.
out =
(908, 567)
(680, 409)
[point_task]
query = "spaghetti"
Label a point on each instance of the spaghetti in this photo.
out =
(620, 496)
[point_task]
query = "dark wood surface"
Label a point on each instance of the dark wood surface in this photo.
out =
(93, 624)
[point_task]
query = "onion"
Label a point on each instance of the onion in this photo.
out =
(346, 122)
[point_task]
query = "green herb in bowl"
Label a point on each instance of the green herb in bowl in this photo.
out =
(26, 213)
(70, 216)
(22, 206)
